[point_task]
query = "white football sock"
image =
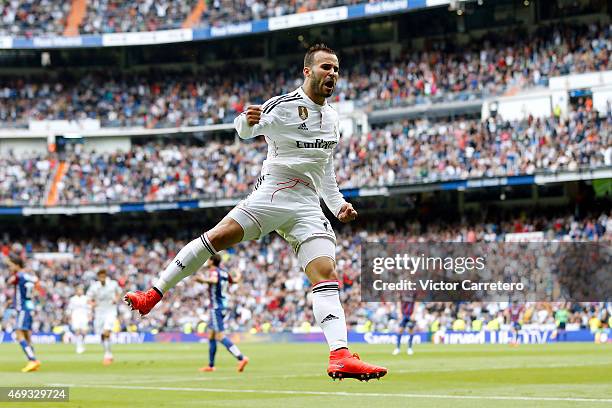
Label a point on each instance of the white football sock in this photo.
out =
(329, 314)
(107, 346)
(79, 341)
(186, 262)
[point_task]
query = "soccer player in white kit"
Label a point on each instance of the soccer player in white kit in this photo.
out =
(104, 295)
(301, 130)
(78, 307)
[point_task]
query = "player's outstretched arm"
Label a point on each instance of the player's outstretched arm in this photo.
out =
(253, 122)
(210, 278)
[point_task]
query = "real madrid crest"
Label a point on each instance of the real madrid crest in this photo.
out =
(303, 112)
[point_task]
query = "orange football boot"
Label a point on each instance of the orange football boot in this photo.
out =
(343, 364)
(142, 301)
(242, 363)
(32, 365)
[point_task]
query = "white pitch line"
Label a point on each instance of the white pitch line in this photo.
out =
(339, 394)
(452, 369)
(204, 378)
(177, 379)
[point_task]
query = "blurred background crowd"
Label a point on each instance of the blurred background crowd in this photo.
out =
(401, 152)
(494, 64)
(274, 294)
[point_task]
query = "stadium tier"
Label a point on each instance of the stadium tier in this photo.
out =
(403, 152)
(492, 65)
(51, 17)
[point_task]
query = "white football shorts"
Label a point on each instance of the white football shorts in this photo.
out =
(104, 320)
(287, 205)
(79, 321)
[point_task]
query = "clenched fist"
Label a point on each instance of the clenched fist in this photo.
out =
(347, 213)
(253, 113)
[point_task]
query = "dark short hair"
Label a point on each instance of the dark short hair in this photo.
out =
(216, 259)
(101, 271)
(309, 57)
(17, 260)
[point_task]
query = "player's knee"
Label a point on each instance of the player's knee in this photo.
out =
(328, 271)
(320, 269)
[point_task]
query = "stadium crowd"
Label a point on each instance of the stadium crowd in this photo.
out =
(373, 80)
(161, 173)
(498, 62)
(274, 294)
(113, 16)
(218, 13)
(403, 152)
(28, 18)
(426, 151)
(25, 180)
(48, 17)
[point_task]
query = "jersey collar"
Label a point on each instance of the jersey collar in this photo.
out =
(310, 101)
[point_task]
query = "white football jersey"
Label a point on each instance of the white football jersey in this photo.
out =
(301, 136)
(79, 305)
(104, 295)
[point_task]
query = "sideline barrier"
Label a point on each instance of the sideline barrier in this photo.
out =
(449, 337)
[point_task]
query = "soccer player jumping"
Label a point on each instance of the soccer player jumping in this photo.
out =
(301, 130)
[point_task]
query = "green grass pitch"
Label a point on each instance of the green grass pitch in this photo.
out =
(293, 375)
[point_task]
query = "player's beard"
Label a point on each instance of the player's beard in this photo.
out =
(326, 91)
(319, 88)
(316, 86)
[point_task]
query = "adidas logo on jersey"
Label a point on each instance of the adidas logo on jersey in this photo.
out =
(303, 126)
(329, 317)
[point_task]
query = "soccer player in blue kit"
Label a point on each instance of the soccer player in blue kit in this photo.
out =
(407, 308)
(516, 314)
(24, 306)
(218, 281)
